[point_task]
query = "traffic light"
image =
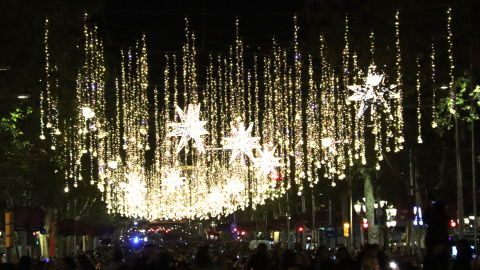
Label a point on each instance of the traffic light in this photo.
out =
(365, 225)
(31, 238)
(346, 229)
(453, 224)
(300, 229)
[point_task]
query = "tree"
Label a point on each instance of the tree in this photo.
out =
(460, 105)
(15, 157)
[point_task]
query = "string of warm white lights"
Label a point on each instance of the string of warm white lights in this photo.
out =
(347, 121)
(297, 130)
(397, 125)
(253, 119)
(47, 84)
(450, 61)
(376, 130)
(434, 90)
(312, 133)
(419, 104)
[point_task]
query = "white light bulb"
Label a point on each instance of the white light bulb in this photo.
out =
(112, 164)
(327, 142)
(87, 112)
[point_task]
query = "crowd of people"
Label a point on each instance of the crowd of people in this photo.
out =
(238, 256)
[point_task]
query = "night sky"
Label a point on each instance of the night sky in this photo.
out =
(213, 22)
(122, 23)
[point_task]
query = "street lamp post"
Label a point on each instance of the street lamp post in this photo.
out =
(352, 242)
(360, 210)
(390, 211)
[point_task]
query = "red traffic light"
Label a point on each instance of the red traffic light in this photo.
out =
(453, 224)
(243, 233)
(365, 225)
(300, 229)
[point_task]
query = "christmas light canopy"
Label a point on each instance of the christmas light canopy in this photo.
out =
(273, 90)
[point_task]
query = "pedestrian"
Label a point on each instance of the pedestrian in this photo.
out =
(68, 263)
(84, 263)
(260, 259)
(25, 263)
(344, 260)
(369, 258)
(436, 239)
(290, 260)
(203, 259)
(41, 265)
(144, 261)
(464, 258)
(116, 263)
(323, 260)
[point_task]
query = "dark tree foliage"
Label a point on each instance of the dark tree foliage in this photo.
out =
(15, 154)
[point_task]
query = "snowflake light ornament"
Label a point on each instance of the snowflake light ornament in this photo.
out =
(241, 142)
(190, 128)
(372, 93)
(267, 162)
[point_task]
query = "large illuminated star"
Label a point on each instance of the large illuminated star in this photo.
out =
(190, 128)
(267, 162)
(241, 142)
(173, 180)
(372, 93)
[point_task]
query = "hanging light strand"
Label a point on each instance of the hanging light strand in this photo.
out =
(419, 104)
(450, 61)
(398, 103)
(434, 90)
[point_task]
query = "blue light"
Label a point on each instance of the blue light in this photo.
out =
(136, 240)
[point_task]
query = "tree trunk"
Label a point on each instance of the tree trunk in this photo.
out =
(345, 215)
(370, 201)
(44, 247)
(459, 181)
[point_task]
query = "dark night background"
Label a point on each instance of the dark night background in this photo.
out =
(122, 23)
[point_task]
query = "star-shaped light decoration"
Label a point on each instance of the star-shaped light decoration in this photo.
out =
(190, 128)
(241, 142)
(173, 180)
(267, 162)
(372, 93)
